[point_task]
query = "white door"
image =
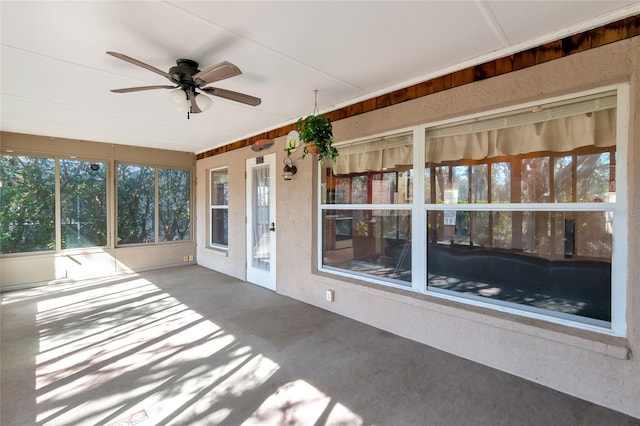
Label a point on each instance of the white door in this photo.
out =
(261, 221)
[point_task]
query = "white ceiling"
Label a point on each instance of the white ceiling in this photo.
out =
(56, 77)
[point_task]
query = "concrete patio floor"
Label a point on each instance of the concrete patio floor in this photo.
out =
(189, 346)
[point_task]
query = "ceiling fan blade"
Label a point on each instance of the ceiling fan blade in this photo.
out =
(216, 72)
(231, 95)
(194, 106)
(137, 89)
(143, 65)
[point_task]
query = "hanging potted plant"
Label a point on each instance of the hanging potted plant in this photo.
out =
(316, 135)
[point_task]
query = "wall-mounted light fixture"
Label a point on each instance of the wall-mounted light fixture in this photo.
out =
(289, 168)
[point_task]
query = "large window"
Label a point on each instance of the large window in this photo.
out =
(53, 204)
(27, 200)
(366, 213)
(83, 203)
(515, 209)
(520, 207)
(174, 201)
(153, 204)
(136, 204)
(219, 208)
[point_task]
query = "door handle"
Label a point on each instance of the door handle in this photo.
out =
(272, 228)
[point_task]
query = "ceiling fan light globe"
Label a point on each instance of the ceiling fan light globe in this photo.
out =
(178, 98)
(204, 102)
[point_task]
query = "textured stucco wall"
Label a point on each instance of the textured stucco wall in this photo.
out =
(602, 369)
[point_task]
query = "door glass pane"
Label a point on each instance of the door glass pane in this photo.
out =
(261, 253)
(83, 203)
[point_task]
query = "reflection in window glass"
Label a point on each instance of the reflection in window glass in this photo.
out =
(558, 261)
(83, 203)
(563, 179)
(441, 180)
(343, 190)
(379, 244)
(219, 202)
(174, 201)
(593, 177)
(500, 182)
(480, 184)
(501, 228)
(219, 227)
(427, 186)
(27, 204)
(460, 183)
(554, 261)
(535, 180)
(136, 204)
(359, 190)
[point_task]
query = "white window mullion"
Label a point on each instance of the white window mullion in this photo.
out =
(58, 207)
(156, 218)
(418, 215)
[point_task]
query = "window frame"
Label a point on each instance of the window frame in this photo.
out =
(367, 208)
(419, 208)
(57, 194)
(212, 206)
(156, 225)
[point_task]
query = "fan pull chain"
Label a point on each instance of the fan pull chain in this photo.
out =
(315, 107)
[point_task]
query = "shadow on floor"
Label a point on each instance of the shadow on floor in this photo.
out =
(189, 346)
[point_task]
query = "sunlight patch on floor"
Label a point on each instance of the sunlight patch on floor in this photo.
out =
(300, 403)
(114, 350)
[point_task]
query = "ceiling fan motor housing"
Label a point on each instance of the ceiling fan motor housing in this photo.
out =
(185, 70)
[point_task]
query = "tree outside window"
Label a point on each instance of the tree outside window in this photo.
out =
(27, 200)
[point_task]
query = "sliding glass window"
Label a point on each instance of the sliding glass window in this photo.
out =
(154, 204)
(28, 200)
(516, 210)
(520, 208)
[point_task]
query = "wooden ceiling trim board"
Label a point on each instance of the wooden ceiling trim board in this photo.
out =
(610, 33)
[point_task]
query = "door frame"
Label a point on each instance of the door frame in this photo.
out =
(266, 279)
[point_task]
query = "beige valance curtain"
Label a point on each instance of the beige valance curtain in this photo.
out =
(558, 127)
(375, 155)
(558, 135)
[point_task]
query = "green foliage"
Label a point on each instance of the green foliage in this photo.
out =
(136, 204)
(83, 204)
(28, 204)
(27, 197)
(173, 204)
(317, 129)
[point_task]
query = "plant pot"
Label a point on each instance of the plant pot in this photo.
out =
(312, 148)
